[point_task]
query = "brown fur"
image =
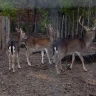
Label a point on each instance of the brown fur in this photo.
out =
(33, 42)
(39, 44)
(74, 46)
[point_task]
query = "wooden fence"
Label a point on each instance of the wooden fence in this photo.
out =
(4, 31)
(69, 27)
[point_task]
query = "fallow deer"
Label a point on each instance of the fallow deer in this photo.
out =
(13, 48)
(13, 54)
(39, 44)
(73, 47)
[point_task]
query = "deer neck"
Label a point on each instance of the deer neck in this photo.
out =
(19, 39)
(50, 37)
(89, 38)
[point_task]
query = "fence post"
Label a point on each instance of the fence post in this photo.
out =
(62, 27)
(65, 26)
(3, 25)
(0, 31)
(5, 31)
(73, 25)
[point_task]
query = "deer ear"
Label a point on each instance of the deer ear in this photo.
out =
(16, 28)
(86, 28)
(49, 25)
(20, 29)
(94, 28)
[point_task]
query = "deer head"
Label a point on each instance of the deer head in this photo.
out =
(90, 33)
(21, 34)
(86, 27)
(56, 34)
(49, 30)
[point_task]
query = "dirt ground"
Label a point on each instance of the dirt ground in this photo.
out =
(42, 79)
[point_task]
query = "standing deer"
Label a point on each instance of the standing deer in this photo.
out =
(13, 54)
(13, 48)
(39, 44)
(73, 47)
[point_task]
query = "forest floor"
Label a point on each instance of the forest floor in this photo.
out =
(42, 79)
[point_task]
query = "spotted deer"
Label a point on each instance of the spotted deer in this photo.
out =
(64, 47)
(39, 44)
(13, 48)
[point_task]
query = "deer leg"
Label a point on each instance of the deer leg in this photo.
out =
(9, 58)
(57, 62)
(27, 56)
(13, 62)
(81, 57)
(18, 61)
(73, 58)
(54, 55)
(57, 67)
(42, 54)
(60, 65)
(54, 58)
(48, 56)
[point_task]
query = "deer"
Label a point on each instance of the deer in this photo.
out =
(13, 48)
(73, 46)
(39, 44)
(12, 52)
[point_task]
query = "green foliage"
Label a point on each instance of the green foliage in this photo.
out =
(11, 13)
(66, 7)
(67, 3)
(8, 9)
(44, 19)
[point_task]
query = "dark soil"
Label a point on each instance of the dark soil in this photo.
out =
(42, 79)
